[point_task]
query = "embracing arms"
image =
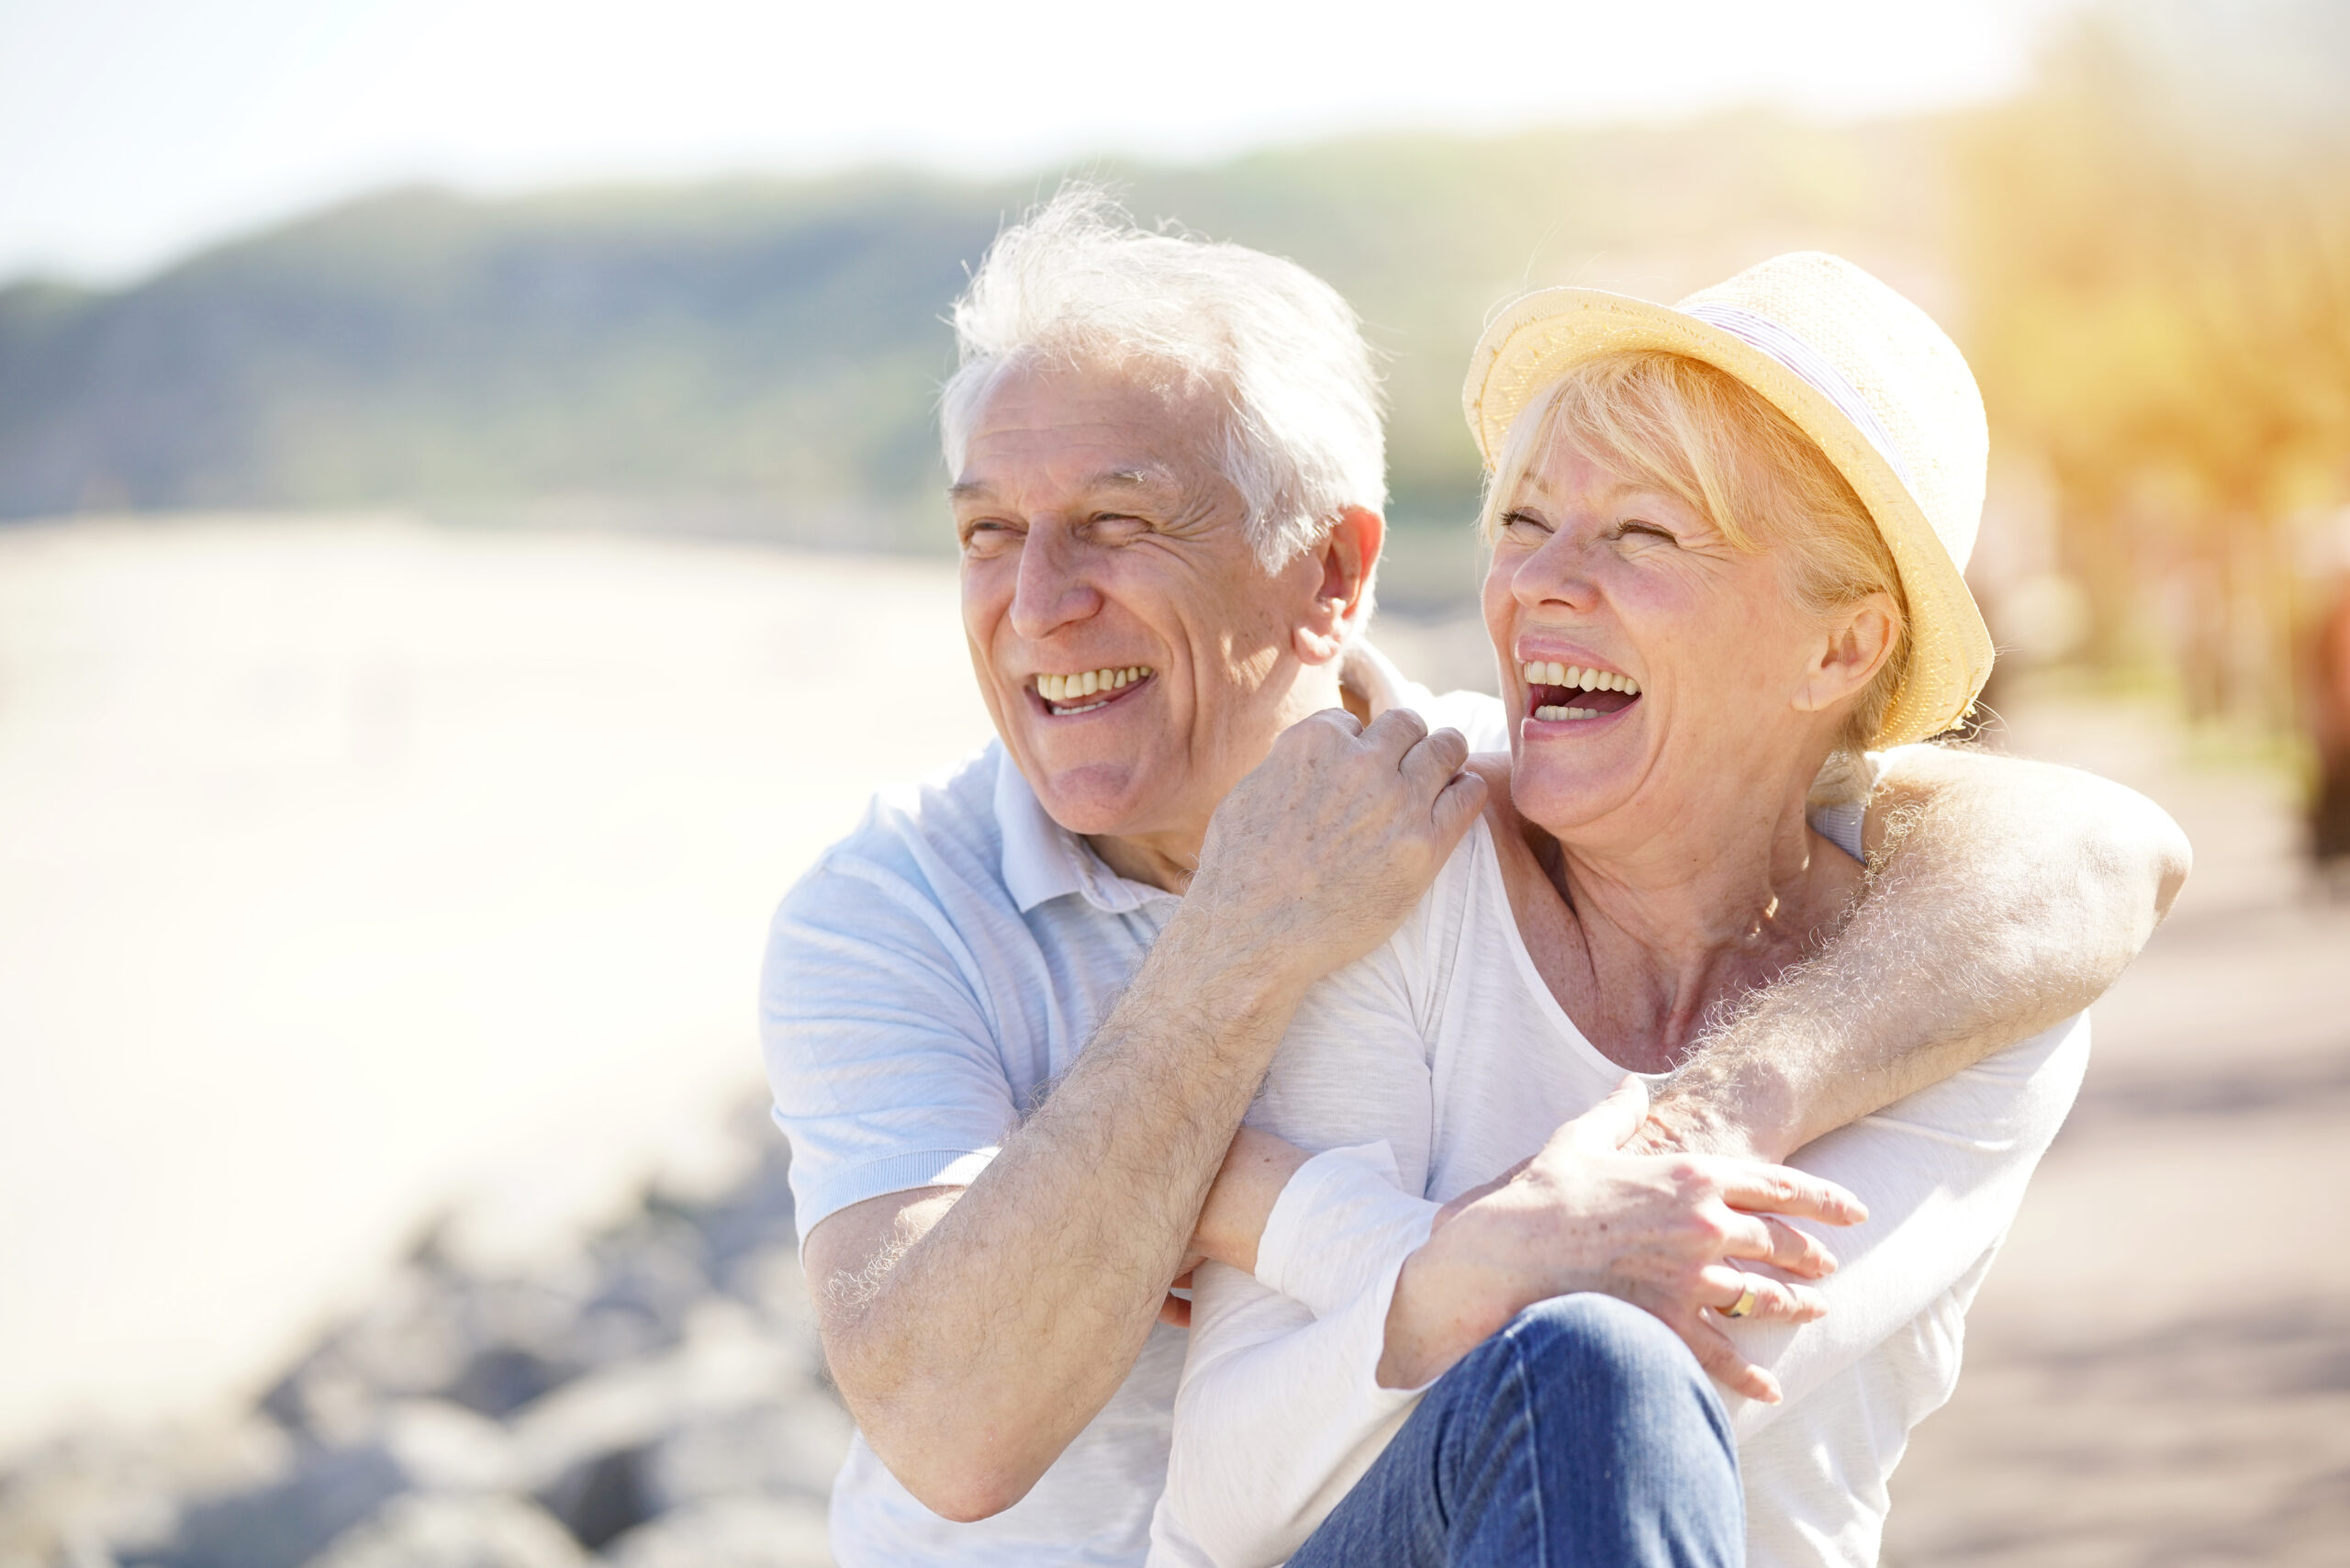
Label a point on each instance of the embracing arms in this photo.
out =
(975, 1331)
(2016, 895)
(2010, 894)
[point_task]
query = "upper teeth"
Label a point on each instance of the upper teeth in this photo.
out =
(1540, 674)
(1071, 687)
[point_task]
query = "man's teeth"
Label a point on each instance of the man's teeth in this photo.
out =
(1540, 674)
(1060, 688)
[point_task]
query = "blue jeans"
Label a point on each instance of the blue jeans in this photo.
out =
(1584, 1433)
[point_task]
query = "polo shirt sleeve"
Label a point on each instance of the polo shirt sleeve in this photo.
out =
(878, 1041)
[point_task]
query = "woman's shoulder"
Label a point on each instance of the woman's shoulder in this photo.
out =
(1514, 861)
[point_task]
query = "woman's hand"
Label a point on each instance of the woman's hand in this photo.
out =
(1663, 1232)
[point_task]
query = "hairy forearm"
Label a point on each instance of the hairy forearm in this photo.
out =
(1008, 1323)
(2005, 896)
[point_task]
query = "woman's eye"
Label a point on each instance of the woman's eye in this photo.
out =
(1524, 522)
(1649, 529)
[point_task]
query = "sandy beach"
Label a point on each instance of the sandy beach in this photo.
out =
(352, 871)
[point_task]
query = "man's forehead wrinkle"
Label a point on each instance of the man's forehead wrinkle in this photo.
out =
(1155, 477)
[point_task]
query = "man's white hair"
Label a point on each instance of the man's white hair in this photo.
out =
(1078, 282)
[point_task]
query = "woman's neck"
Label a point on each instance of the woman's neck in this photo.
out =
(1644, 936)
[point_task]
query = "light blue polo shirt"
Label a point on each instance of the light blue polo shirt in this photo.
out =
(925, 981)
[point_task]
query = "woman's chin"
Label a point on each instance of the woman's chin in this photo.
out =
(1560, 794)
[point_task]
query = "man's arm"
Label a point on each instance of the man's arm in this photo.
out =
(2005, 897)
(974, 1332)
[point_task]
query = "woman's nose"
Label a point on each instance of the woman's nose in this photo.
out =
(1052, 589)
(1556, 574)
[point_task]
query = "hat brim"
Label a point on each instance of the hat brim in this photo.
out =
(1539, 338)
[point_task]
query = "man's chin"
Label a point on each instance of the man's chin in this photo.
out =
(1093, 799)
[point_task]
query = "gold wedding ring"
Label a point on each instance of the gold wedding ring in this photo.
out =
(1744, 1303)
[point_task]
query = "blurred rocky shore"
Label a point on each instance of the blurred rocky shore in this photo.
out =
(651, 1398)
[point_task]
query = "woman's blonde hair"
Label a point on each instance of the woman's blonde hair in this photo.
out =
(1701, 435)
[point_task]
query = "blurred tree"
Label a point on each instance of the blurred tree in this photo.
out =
(2158, 241)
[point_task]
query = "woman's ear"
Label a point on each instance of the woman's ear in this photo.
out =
(1342, 567)
(1856, 646)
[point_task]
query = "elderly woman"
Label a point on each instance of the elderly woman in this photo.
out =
(1727, 541)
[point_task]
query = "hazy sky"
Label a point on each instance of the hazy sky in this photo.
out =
(131, 130)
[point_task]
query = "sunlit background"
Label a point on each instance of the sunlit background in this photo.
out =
(469, 535)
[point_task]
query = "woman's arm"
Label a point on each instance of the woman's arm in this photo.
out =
(1280, 1410)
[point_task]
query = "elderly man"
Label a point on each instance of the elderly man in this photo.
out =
(1014, 1022)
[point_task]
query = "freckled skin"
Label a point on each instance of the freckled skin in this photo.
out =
(1096, 532)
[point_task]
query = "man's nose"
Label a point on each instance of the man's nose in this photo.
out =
(1052, 590)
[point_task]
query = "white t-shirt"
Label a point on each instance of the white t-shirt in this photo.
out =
(1442, 1059)
(926, 980)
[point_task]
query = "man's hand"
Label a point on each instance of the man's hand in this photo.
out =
(1318, 854)
(1659, 1231)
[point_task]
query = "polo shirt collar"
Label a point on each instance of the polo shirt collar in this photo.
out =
(1043, 860)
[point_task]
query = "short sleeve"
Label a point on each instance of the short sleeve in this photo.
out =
(880, 1045)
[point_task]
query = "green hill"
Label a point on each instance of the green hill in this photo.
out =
(762, 355)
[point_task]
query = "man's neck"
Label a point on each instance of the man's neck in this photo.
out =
(1163, 860)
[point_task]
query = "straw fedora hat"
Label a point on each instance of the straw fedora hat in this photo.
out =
(1860, 371)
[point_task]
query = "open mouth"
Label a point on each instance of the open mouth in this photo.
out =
(1572, 694)
(1088, 691)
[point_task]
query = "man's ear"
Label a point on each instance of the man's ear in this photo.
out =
(1856, 646)
(1344, 561)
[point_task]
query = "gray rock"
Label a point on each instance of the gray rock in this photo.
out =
(492, 1345)
(286, 1523)
(415, 1445)
(429, 1531)
(791, 1448)
(733, 1532)
(729, 1360)
(91, 1495)
(601, 1495)
(659, 1384)
(440, 1446)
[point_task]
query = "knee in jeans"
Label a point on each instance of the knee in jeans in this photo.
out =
(1588, 1336)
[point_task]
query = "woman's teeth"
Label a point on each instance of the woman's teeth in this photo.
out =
(1539, 674)
(1066, 693)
